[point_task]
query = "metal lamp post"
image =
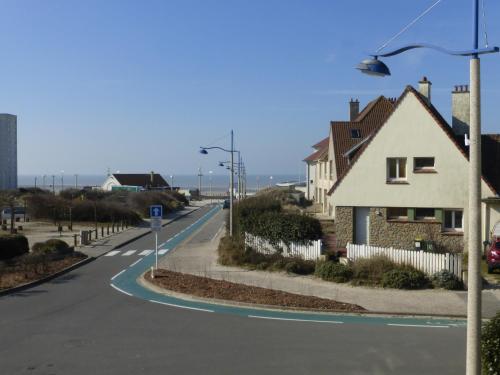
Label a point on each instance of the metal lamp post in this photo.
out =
(210, 182)
(376, 67)
(172, 182)
(203, 150)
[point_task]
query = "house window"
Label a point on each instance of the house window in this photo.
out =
(355, 133)
(396, 169)
(425, 214)
(453, 220)
(423, 164)
(397, 213)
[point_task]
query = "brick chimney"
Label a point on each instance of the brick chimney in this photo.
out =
(353, 109)
(424, 87)
(460, 108)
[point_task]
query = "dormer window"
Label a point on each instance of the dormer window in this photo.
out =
(355, 133)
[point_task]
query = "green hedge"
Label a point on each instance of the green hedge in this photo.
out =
(53, 246)
(490, 346)
(333, 271)
(13, 245)
(447, 280)
(405, 278)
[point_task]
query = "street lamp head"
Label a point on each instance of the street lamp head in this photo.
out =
(221, 164)
(203, 151)
(374, 67)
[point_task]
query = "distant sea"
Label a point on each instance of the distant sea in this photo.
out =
(218, 182)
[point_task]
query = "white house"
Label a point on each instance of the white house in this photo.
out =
(408, 179)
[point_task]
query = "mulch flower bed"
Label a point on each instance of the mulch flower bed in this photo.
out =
(224, 290)
(19, 274)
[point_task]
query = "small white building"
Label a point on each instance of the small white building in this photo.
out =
(135, 182)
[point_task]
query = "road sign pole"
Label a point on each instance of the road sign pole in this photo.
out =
(156, 249)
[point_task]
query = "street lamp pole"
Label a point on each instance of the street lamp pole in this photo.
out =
(76, 181)
(377, 68)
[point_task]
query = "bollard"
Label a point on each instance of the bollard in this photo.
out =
(96, 234)
(152, 272)
(107, 230)
(113, 228)
(75, 242)
(102, 231)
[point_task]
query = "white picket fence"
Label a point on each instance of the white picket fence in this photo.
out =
(429, 263)
(259, 244)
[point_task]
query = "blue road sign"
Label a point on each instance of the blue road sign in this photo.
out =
(156, 211)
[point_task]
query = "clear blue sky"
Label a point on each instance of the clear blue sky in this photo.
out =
(139, 85)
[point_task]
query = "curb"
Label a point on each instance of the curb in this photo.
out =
(222, 302)
(32, 284)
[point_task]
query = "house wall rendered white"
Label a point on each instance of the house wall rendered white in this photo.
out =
(109, 183)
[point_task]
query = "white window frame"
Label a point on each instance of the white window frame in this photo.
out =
(397, 178)
(453, 227)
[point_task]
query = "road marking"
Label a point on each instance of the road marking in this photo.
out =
(216, 234)
(137, 261)
(295, 320)
(180, 306)
(146, 252)
(415, 325)
(112, 253)
(163, 251)
(121, 291)
(118, 274)
(127, 253)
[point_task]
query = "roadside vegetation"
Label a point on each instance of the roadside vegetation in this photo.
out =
(490, 346)
(269, 215)
(19, 266)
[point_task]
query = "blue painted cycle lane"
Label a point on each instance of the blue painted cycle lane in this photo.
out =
(126, 282)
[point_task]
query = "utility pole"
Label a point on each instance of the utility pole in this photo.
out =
(199, 181)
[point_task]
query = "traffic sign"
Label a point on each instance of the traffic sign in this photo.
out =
(156, 224)
(156, 211)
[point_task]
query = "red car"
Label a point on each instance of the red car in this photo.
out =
(493, 255)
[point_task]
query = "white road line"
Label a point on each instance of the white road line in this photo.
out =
(128, 253)
(121, 291)
(163, 251)
(118, 274)
(216, 234)
(416, 325)
(137, 261)
(146, 252)
(295, 320)
(180, 306)
(112, 253)
(162, 244)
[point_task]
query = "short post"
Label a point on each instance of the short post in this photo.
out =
(96, 234)
(107, 230)
(156, 249)
(75, 241)
(152, 272)
(102, 231)
(113, 228)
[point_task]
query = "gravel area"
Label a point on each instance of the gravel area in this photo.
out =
(223, 290)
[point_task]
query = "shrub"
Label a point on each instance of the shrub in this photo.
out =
(53, 246)
(404, 278)
(369, 271)
(447, 280)
(299, 266)
(13, 245)
(333, 271)
(490, 346)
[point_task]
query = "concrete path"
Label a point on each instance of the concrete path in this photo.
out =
(103, 245)
(199, 257)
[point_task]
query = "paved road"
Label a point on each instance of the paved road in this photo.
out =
(78, 324)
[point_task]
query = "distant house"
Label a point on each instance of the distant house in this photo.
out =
(408, 180)
(135, 182)
(334, 153)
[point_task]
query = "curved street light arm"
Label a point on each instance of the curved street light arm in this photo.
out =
(479, 51)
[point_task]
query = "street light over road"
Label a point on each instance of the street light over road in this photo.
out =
(375, 67)
(204, 151)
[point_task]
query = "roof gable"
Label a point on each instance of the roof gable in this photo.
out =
(140, 179)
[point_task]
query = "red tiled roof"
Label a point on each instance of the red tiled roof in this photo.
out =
(321, 148)
(490, 151)
(491, 175)
(370, 119)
